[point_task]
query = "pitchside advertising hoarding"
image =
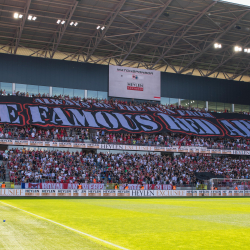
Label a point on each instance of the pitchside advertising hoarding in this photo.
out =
(127, 193)
(134, 83)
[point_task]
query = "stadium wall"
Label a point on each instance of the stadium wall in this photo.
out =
(67, 74)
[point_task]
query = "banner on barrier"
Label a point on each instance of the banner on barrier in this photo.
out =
(92, 186)
(12, 192)
(186, 149)
(52, 185)
(146, 187)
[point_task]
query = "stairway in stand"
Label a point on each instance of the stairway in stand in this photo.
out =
(7, 173)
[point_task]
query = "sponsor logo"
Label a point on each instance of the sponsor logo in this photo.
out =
(48, 191)
(135, 86)
(142, 193)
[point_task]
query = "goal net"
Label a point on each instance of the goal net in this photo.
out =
(229, 184)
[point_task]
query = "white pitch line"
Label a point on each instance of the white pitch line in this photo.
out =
(70, 228)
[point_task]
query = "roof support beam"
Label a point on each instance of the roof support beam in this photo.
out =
(57, 37)
(229, 58)
(20, 28)
(194, 20)
(150, 23)
(99, 34)
(164, 41)
(230, 25)
(241, 73)
(115, 11)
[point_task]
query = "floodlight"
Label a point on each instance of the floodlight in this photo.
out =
(29, 17)
(20, 16)
(238, 2)
(217, 45)
(15, 15)
(237, 49)
(71, 23)
(247, 50)
(58, 21)
(98, 27)
(63, 22)
(34, 18)
(76, 23)
(102, 28)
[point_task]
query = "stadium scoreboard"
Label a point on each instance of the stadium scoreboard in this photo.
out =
(134, 83)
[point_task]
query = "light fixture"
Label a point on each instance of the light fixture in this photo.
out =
(63, 22)
(238, 2)
(247, 50)
(17, 15)
(30, 17)
(237, 49)
(73, 23)
(217, 45)
(102, 28)
(98, 27)
(58, 21)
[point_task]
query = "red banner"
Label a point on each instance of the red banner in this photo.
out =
(94, 186)
(146, 187)
(65, 186)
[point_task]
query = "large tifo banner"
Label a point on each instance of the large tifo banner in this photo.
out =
(49, 112)
(134, 83)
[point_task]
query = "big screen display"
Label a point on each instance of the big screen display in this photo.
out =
(134, 83)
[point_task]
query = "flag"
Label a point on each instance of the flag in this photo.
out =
(179, 143)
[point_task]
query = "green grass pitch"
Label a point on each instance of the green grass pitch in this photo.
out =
(178, 223)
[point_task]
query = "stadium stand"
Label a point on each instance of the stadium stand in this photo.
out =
(124, 124)
(81, 135)
(65, 167)
(92, 84)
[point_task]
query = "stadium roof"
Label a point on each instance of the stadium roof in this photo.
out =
(168, 35)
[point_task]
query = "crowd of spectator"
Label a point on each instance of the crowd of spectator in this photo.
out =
(65, 167)
(41, 134)
(100, 137)
(115, 101)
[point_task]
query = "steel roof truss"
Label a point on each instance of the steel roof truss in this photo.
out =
(230, 25)
(101, 33)
(21, 26)
(58, 35)
(137, 38)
